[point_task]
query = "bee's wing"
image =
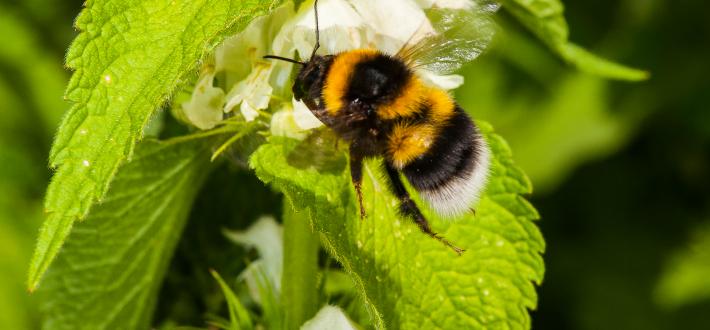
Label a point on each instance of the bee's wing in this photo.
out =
(319, 150)
(460, 36)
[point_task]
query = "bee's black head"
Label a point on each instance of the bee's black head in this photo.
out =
(309, 81)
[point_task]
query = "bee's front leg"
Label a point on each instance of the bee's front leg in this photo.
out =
(356, 176)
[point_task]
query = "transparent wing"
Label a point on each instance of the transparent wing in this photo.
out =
(321, 150)
(451, 38)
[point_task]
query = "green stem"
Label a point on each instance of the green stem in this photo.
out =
(299, 287)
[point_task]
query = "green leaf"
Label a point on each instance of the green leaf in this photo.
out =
(593, 64)
(238, 314)
(571, 125)
(19, 218)
(406, 279)
(129, 59)
(545, 19)
(272, 311)
(108, 275)
(35, 72)
(686, 278)
(31, 85)
(299, 283)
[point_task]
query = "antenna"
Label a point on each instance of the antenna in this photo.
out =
(274, 57)
(283, 59)
(315, 10)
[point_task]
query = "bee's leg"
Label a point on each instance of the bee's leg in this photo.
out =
(409, 209)
(356, 177)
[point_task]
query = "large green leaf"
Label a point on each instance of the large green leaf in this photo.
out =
(108, 275)
(407, 279)
(31, 85)
(20, 211)
(571, 125)
(686, 277)
(129, 59)
(545, 19)
(35, 73)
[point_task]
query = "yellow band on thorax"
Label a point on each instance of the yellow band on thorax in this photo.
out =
(407, 102)
(339, 76)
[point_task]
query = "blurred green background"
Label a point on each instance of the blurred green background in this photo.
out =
(621, 170)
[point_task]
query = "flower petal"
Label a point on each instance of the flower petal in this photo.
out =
(253, 93)
(266, 235)
(204, 109)
(238, 53)
(248, 111)
(304, 117)
(392, 22)
(452, 4)
(447, 82)
(283, 124)
(341, 29)
(329, 317)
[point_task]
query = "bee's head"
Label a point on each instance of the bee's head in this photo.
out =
(312, 71)
(311, 74)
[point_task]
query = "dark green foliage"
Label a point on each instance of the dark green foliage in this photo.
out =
(620, 170)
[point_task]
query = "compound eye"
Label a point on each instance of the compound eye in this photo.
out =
(299, 90)
(304, 82)
(311, 77)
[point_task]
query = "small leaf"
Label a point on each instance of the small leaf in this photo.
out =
(238, 314)
(593, 64)
(545, 19)
(299, 284)
(686, 278)
(406, 279)
(129, 59)
(108, 275)
(272, 310)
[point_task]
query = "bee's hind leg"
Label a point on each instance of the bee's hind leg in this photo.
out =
(356, 177)
(409, 209)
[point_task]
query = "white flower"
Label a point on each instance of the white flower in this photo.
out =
(293, 120)
(266, 35)
(253, 84)
(266, 235)
(352, 24)
(204, 109)
(253, 93)
(331, 318)
(249, 79)
(447, 82)
(453, 4)
(303, 117)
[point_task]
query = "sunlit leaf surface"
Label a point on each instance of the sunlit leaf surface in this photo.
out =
(128, 60)
(407, 279)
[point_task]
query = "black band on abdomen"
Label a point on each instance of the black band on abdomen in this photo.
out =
(453, 155)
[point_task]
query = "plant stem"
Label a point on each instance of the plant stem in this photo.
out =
(299, 287)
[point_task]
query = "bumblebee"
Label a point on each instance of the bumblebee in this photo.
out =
(380, 104)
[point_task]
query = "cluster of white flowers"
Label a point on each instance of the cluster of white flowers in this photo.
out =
(251, 84)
